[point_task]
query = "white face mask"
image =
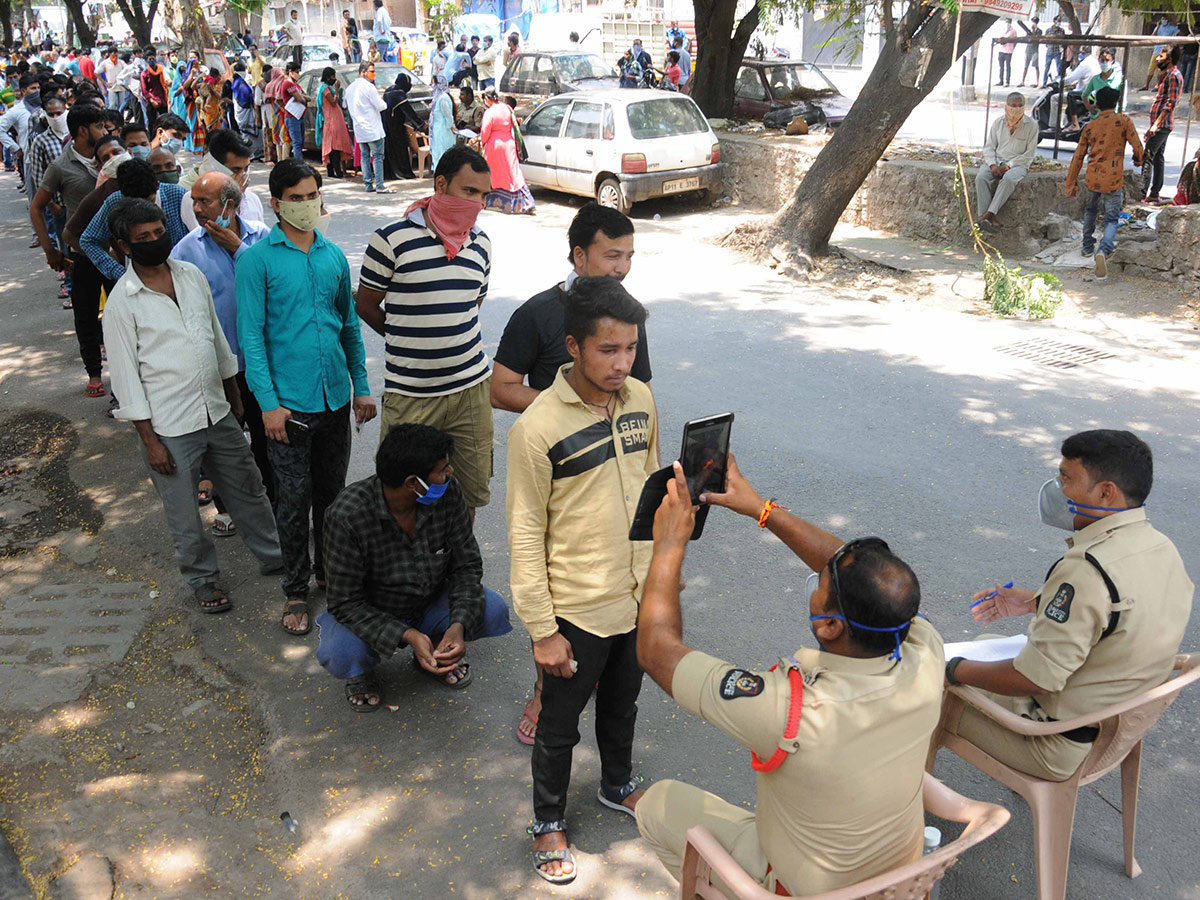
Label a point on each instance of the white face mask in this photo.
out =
(208, 164)
(58, 124)
(109, 169)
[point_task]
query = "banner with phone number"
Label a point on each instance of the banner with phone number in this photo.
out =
(1018, 8)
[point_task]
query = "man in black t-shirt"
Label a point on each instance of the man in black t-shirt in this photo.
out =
(534, 343)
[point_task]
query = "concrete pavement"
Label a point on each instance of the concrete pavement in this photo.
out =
(891, 419)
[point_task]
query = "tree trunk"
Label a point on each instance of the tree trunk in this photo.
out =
(140, 19)
(69, 33)
(83, 28)
(189, 23)
(719, 53)
(1067, 8)
(908, 69)
(6, 20)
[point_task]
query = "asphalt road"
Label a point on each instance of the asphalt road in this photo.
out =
(889, 419)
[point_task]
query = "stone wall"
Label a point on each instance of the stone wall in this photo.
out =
(1175, 253)
(908, 197)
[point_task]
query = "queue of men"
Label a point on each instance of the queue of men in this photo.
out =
(232, 325)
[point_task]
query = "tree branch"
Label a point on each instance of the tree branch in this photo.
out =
(889, 23)
(745, 31)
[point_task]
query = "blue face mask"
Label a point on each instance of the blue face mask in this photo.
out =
(223, 220)
(433, 492)
(174, 144)
(810, 588)
(141, 152)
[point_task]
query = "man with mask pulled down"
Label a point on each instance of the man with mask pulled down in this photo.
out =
(838, 735)
(306, 365)
(422, 282)
(1107, 622)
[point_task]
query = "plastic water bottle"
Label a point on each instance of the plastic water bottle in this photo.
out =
(933, 840)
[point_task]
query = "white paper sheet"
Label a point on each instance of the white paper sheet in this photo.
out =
(988, 651)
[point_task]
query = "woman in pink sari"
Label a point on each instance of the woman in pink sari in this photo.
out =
(510, 193)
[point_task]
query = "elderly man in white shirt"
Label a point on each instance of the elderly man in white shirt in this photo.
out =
(365, 106)
(1009, 149)
(176, 377)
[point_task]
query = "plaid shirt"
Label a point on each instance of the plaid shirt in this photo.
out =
(43, 150)
(380, 581)
(1169, 90)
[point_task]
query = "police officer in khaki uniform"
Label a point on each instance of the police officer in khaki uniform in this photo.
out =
(838, 736)
(1106, 624)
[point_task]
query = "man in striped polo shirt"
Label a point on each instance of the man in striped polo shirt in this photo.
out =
(423, 280)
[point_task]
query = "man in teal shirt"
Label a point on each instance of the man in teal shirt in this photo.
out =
(306, 364)
(1110, 76)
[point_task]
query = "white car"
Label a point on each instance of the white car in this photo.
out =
(621, 146)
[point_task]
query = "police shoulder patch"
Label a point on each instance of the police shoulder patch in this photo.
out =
(740, 683)
(1059, 608)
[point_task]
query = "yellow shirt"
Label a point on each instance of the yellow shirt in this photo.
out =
(256, 67)
(1080, 671)
(846, 803)
(574, 480)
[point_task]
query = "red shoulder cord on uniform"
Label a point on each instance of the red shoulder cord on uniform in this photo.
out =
(793, 724)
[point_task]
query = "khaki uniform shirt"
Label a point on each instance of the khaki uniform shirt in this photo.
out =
(846, 803)
(1079, 671)
(574, 480)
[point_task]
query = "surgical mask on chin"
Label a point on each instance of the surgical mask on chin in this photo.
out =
(433, 493)
(302, 215)
(141, 152)
(223, 221)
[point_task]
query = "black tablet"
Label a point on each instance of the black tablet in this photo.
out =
(651, 499)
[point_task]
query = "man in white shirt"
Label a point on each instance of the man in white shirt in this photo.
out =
(176, 377)
(1009, 149)
(228, 154)
(381, 30)
(108, 73)
(365, 105)
(485, 63)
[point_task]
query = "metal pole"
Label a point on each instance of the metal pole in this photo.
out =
(1124, 78)
(987, 108)
(1058, 124)
(1191, 107)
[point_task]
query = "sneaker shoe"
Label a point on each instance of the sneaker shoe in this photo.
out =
(370, 190)
(1101, 267)
(1088, 254)
(385, 191)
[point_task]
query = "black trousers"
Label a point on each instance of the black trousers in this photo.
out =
(610, 665)
(1154, 164)
(308, 476)
(86, 282)
(258, 442)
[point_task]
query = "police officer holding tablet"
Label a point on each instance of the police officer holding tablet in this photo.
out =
(1108, 621)
(838, 735)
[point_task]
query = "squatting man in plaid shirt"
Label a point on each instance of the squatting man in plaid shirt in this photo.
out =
(403, 568)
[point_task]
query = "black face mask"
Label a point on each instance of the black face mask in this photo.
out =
(1162, 63)
(151, 253)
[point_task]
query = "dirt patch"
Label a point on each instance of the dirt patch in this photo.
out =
(159, 768)
(37, 496)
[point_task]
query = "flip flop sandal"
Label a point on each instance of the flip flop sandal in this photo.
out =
(206, 594)
(612, 797)
(363, 685)
(441, 679)
(67, 304)
(223, 526)
(96, 390)
(541, 857)
(204, 496)
(526, 739)
(293, 608)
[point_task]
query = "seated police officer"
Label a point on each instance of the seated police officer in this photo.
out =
(1108, 621)
(402, 567)
(839, 735)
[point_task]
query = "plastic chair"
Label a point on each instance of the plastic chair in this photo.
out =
(423, 152)
(703, 857)
(1119, 742)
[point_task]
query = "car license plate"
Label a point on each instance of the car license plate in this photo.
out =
(681, 184)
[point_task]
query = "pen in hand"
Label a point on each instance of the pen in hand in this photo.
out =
(989, 596)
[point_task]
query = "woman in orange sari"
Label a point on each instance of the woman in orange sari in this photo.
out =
(208, 99)
(280, 143)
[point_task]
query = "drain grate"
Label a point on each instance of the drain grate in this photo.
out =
(1054, 353)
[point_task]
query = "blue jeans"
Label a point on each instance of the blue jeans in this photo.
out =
(345, 655)
(295, 129)
(1112, 215)
(372, 156)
